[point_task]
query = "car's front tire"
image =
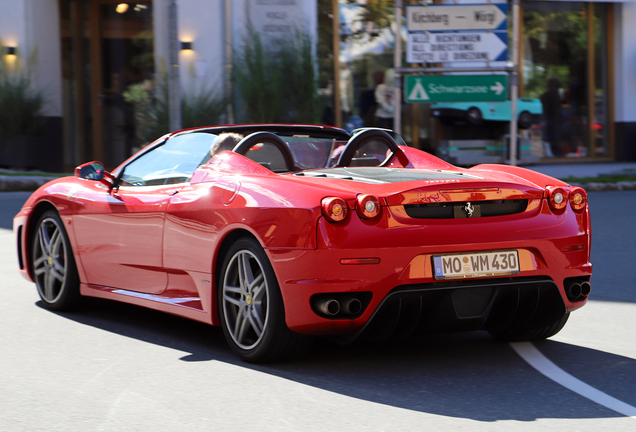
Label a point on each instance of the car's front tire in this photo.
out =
(474, 116)
(251, 307)
(530, 334)
(53, 264)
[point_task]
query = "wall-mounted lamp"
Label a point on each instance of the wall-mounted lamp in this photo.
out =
(121, 8)
(10, 50)
(186, 46)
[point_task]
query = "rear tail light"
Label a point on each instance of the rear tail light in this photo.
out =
(367, 206)
(557, 198)
(578, 199)
(334, 209)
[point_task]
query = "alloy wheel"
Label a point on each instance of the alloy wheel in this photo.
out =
(50, 264)
(245, 299)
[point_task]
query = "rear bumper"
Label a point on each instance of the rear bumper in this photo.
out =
(397, 269)
(404, 278)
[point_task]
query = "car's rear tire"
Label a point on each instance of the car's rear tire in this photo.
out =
(530, 334)
(53, 264)
(251, 307)
(525, 120)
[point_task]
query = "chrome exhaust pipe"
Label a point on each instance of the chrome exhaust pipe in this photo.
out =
(352, 306)
(573, 291)
(328, 307)
(586, 288)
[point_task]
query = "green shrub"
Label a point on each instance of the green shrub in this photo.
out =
(150, 101)
(276, 85)
(20, 103)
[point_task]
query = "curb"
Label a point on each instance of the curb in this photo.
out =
(22, 184)
(601, 187)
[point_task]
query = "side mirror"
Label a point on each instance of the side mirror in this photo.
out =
(94, 171)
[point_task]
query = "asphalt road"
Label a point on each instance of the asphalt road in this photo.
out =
(115, 367)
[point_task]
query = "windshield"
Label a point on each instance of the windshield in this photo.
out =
(172, 162)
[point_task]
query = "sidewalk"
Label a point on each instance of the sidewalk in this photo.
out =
(31, 182)
(584, 170)
(564, 171)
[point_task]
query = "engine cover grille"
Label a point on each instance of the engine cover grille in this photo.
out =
(466, 209)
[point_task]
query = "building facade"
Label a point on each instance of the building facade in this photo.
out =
(94, 61)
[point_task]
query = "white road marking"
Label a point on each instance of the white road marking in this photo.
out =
(537, 360)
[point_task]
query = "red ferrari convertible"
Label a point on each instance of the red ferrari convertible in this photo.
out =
(298, 231)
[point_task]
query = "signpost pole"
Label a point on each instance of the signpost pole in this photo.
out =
(173, 70)
(337, 110)
(227, 70)
(397, 85)
(514, 81)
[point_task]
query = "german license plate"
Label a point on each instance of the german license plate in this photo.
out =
(473, 265)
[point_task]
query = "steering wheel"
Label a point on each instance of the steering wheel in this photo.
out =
(358, 140)
(258, 137)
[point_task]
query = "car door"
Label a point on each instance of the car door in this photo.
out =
(119, 232)
(119, 236)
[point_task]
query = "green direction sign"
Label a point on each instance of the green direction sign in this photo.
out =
(455, 88)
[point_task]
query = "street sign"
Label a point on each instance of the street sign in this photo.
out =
(455, 88)
(464, 46)
(457, 17)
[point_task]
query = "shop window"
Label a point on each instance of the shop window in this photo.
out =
(564, 66)
(366, 60)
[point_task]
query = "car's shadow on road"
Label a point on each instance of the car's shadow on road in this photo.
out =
(459, 375)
